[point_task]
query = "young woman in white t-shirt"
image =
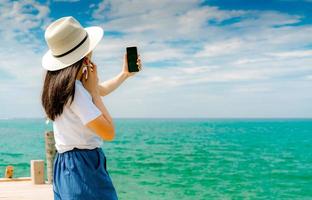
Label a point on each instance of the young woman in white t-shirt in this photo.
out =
(71, 98)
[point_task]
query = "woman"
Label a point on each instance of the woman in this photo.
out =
(71, 98)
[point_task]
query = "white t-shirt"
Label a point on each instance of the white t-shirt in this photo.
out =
(70, 128)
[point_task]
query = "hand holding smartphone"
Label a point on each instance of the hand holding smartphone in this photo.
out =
(132, 56)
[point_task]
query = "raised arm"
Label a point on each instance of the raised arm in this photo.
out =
(108, 86)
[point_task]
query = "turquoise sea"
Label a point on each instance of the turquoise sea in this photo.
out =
(182, 159)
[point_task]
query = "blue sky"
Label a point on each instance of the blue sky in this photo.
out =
(210, 58)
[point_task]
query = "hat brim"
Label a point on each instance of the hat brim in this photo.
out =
(51, 63)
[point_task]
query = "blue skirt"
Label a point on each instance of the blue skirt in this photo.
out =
(81, 174)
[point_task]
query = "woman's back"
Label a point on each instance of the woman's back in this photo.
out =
(70, 128)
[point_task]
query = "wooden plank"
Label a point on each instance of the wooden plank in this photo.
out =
(25, 190)
(15, 179)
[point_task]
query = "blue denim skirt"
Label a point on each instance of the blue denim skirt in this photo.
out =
(81, 174)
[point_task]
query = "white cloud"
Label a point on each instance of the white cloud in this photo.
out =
(114, 9)
(198, 70)
(20, 19)
(210, 61)
(252, 89)
(220, 48)
(309, 77)
(191, 55)
(292, 54)
(66, 1)
(20, 22)
(267, 18)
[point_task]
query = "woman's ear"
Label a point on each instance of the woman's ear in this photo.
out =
(85, 72)
(86, 60)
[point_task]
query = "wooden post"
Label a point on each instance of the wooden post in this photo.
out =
(9, 171)
(37, 171)
(50, 154)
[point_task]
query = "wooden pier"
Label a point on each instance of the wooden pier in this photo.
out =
(25, 190)
(34, 187)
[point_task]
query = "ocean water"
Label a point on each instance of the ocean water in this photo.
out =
(182, 159)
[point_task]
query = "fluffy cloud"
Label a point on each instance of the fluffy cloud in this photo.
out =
(21, 20)
(175, 32)
(20, 65)
(197, 60)
(247, 51)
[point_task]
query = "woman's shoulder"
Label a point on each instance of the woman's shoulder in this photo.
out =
(81, 90)
(81, 95)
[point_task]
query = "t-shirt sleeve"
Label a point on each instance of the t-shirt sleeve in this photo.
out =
(83, 105)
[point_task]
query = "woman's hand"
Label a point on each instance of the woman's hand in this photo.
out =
(91, 83)
(125, 69)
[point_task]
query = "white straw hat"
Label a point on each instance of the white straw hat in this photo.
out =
(68, 42)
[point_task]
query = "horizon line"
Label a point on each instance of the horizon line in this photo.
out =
(205, 118)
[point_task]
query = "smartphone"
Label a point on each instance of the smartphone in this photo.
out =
(132, 56)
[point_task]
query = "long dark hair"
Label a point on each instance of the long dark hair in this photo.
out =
(59, 89)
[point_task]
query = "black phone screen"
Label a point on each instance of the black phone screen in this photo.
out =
(132, 56)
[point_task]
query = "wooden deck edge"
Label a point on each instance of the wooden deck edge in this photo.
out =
(15, 179)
